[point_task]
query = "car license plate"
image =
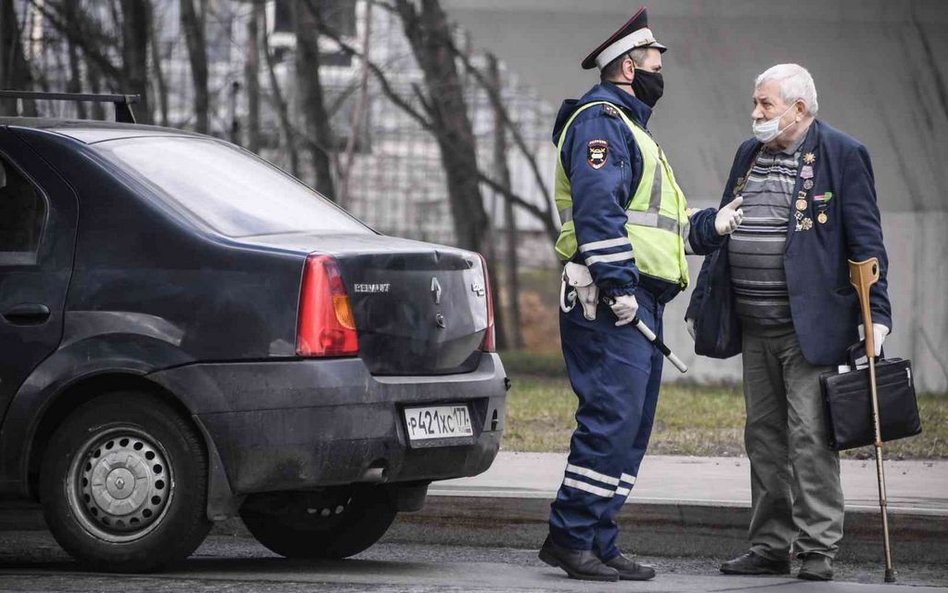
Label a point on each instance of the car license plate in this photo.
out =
(438, 422)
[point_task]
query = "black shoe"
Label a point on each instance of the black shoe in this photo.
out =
(629, 570)
(578, 564)
(816, 567)
(751, 563)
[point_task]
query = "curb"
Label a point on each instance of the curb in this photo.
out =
(664, 529)
(658, 529)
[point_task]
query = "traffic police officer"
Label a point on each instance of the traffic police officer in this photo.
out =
(625, 232)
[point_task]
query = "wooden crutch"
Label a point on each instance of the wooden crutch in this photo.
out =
(862, 275)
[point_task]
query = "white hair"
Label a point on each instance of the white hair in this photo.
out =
(795, 82)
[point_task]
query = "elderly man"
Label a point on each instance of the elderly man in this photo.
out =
(625, 230)
(779, 292)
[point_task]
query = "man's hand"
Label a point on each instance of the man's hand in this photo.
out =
(729, 218)
(625, 307)
(690, 326)
(879, 333)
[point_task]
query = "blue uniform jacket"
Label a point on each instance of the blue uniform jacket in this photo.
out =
(601, 191)
(823, 303)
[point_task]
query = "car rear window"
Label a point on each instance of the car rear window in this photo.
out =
(22, 217)
(230, 190)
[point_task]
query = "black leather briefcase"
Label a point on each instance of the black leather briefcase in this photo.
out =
(848, 401)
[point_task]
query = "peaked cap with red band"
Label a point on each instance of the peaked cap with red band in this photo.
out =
(632, 35)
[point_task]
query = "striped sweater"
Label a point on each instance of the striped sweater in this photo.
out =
(755, 249)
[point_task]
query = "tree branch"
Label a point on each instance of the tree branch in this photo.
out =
(544, 216)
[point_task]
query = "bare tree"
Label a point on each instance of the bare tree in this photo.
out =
(95, 84)
(14, 69)
(358, 120)
(512, 330)
(158, 68)
(543, 215)
(429, 35)
(136, 29)
(74, 84)
(277, 97)
(192, 23)
(319, 136)
(251, 77)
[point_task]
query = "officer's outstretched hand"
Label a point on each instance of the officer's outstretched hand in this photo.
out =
(625, 307)
(729, 218)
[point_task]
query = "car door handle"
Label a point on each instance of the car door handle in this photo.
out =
(27, 314)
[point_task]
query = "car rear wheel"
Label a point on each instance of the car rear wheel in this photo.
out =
(332, 523)
(124, 484)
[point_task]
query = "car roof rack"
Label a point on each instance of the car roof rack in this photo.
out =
(123, 103)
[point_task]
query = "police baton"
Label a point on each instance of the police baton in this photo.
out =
(651, 337)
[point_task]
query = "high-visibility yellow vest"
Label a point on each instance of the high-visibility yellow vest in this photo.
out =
(657, 221)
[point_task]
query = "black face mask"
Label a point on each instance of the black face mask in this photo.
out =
(647, 86)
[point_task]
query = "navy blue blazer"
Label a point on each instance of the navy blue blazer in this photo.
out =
(823, 303)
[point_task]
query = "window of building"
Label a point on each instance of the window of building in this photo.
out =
(22, 217)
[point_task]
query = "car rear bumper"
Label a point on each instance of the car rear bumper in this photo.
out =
(299, 424)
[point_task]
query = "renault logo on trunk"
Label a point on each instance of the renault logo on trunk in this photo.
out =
(436, 290)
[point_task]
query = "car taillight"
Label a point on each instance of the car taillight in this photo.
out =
(489, 344)
(326, 324)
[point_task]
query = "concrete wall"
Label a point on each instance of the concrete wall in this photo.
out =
(880, 67)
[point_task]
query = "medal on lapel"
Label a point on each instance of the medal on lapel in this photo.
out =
(822, 203)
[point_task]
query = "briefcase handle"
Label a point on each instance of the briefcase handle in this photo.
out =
(858, 350)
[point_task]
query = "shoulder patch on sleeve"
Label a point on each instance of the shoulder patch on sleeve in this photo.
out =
(597, 152)
(610, 111)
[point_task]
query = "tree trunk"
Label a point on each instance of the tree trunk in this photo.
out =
(14, 69)
(192, 24)
(156, 61)
(282, 110)
(251, 78)
(312, 101)
(429, 35)
(95, 85)
(513, 328)
(135, 33)
(358, 120)
(74, 84)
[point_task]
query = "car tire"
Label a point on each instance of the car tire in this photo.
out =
(123, 484)
(332, 524)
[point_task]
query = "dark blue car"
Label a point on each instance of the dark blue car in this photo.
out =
(188, 334)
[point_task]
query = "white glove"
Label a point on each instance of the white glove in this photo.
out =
(729, 218)
(690, 326)
(879, 333)
(625, 307)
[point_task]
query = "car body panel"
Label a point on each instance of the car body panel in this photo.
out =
(302, 424)
(211, 320)
(26, 342)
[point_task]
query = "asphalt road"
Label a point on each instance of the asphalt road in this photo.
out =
(31, 561)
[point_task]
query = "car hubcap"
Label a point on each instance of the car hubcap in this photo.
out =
(120, 484)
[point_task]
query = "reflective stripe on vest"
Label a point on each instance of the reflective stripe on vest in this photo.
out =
(657, 223)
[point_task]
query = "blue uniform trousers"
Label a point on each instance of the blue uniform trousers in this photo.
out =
(616, 374)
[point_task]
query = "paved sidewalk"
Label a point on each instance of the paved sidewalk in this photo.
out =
(696, 507)
(913, 487)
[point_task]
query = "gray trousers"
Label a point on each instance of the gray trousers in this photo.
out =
(795, 487)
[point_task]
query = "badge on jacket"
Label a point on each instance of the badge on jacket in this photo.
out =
(597, 151)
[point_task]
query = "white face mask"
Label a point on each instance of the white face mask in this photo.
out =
(767, 131)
